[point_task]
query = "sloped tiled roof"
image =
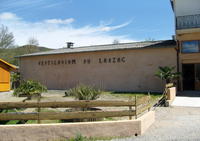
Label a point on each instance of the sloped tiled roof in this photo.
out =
(8, 65)
(109, 47)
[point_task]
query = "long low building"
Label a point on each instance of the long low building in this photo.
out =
(125, 67)
(114, 67)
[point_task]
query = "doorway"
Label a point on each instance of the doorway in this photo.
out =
(191, 76)
(188, 73)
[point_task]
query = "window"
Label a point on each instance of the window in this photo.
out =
(190, 46)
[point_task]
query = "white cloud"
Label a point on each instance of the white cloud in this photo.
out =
(8, 16)
(110, 28)
(60, 21)
(54, 33)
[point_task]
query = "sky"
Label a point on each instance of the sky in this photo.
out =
(87, 22)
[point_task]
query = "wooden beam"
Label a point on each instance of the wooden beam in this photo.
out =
(144, 108)
(65, 104)
(143, 100)
(65, 115)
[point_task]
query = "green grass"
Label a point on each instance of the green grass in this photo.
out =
(79, 137)
(82, 138)
(11, 122)
(128, 95)
(108, 119)
(43, 121)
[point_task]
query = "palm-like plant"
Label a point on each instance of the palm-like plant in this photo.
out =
(168, 74)
(84, 92)
(29, 88)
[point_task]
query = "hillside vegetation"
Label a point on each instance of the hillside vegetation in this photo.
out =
(10, 54)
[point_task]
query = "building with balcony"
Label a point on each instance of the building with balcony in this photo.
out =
(187, 22)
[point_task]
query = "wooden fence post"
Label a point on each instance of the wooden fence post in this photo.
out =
(135, 106)
(149, 101)
(130, 109)
(39, 109)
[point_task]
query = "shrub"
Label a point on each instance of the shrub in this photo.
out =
(83, 92)
(29, 88)
(168, 74)
(15, 79)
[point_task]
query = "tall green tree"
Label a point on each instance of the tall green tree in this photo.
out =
(6, 38)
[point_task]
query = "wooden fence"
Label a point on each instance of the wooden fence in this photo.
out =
(135, 108)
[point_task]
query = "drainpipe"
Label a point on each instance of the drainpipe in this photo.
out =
(177, 62)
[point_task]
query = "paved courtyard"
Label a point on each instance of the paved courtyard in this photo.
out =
(172, 124)
(180, 122)
(187, 99)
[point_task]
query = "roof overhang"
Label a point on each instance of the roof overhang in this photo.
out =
(172, 4)
(7, 65)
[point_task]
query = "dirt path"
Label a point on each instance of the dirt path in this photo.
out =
(173, 124)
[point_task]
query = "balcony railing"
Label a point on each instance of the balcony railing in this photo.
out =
(187, 22)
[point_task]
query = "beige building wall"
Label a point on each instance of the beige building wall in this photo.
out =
(131, 70)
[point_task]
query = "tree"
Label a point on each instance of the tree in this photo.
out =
(115, 41)
(149, 39)
(32, 45)
(168, 74)
(33, 41)
(6, 37)
(15, 79)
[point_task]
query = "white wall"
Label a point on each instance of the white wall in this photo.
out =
(187, 7)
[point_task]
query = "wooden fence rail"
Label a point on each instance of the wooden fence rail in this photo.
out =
(66, 104)
(136, 107)
(65, 115)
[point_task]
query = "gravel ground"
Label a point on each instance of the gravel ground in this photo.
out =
(8, 97)
(172, 124)
(57, 95)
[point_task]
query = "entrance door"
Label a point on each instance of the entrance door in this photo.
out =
(197, 77)
(188, 71)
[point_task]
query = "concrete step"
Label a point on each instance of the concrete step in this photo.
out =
(186, 101)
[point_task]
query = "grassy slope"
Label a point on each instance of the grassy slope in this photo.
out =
(10, 54)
